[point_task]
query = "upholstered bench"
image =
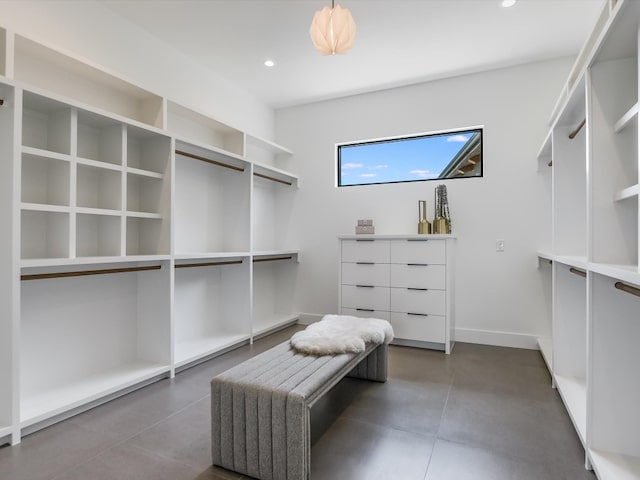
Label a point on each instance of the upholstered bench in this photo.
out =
(260, 409)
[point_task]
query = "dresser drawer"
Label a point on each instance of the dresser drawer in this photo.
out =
(424, 328)
(373, 298)
(425, 251)
(376, 274)
(407, 300)
(418, 275)
(376, 251)
(365, 313)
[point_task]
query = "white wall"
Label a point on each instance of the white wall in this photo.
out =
(90, 31)
(500, 297)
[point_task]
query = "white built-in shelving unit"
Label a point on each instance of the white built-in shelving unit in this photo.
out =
(141, 236)
(592, 147)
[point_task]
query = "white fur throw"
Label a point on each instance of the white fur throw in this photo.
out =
(341, 334)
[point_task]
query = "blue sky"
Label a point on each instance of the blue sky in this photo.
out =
(419, 158)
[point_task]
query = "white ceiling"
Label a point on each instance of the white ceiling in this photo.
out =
(398, 42)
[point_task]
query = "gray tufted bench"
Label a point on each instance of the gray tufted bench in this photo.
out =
(260, 409)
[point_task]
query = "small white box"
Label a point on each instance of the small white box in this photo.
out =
(367, 222)
(365, 229)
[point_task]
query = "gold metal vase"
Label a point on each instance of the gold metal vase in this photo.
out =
(424, 227)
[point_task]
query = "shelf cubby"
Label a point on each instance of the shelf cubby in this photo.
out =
(145, 194)
(148, 151)
(200, 128)
(274, 278)
(46, 124)
(98, 187)
(44, 234)
(54, 71)
(45, 180)
(614, 161)
(211, 307)
(272, 208)
(615, 417)
(211, 201)
(570, 342)
(116, 337)
(98, 235)
(146, 235)
(99, 138)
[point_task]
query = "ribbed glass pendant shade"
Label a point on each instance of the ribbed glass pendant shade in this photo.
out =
(332, 30)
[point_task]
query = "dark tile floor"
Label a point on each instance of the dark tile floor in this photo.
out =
(481, 413)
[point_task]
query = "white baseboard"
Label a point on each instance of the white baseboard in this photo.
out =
(500, 339)
(468, 335)
(309, 318)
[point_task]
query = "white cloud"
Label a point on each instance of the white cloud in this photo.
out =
(378, 167)
(350, 166)
(423, 173)
(368, 175)
(458, 138)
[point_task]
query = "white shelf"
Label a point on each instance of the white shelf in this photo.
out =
(144, 173)
(578, 262)
(267, 323)
(273, 253)
(5, 430)
(190, 351)
(99, 164)
(625, 193)
(626, 273)
(41, 207)
(630, 115)
(53, 402)
(39, 152)
(98, 211)
(275, 174)
(156, 216)
(545, 148)
(268, 145)
(209, 255)
(92, 261)
(546, 349)
(574, 394)
(611, 466)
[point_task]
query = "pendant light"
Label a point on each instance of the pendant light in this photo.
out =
(332, 30)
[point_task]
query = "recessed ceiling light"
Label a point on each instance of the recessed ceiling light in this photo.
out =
(508, 3)
(269, 63)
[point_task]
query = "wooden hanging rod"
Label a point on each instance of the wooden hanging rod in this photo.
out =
(577, 271)
(573, 134)
(271, 259)
(208, 160)
(208, 264)
(41, 276)
(272, 178)
(627, 288)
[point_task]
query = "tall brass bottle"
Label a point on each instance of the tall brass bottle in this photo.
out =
(424, 226)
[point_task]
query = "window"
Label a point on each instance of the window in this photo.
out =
(430, 156)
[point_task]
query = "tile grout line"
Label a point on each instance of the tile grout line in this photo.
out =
(126, 439)
(437, 435)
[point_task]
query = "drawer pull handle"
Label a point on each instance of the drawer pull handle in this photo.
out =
(417, 264)
(417, 239)
(419, 289)
(365, 263)
(365, 309)
(365, 286)
(418, 314)
(365, 239)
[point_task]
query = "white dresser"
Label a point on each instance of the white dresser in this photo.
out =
(406, 279)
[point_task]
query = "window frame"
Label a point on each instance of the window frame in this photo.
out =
(338, 146)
